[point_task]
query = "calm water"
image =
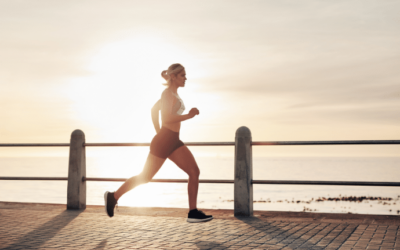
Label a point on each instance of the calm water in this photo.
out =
(267, 197)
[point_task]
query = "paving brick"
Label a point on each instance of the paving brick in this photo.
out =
(52, 227)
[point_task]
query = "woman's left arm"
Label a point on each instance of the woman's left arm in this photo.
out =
(155, 115)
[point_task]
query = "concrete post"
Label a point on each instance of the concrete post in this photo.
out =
(76, 195)
(243, 198)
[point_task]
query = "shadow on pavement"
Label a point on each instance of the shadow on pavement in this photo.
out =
(256, 224)
(101, 245)
(207, 244)
(277, 232)
(38, 236)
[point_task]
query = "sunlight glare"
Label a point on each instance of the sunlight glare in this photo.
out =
(123, 84)
(115, 100)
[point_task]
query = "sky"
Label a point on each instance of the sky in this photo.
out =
(288, 70)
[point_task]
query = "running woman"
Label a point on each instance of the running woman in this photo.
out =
(166, 144)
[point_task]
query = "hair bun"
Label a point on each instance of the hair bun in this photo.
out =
(165, 75)
(174, 69)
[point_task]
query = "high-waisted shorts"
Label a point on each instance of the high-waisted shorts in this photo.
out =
(165, 142)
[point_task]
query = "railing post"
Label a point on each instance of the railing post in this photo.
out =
(76, 195)
(243, 198)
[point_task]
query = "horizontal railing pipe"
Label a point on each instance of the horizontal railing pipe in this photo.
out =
(12, 178)
(335, 183)
(273, 182)
(135, 144)
(156, 180)
(254, 143)
(34, 144)
(141, 144)
(304, 143)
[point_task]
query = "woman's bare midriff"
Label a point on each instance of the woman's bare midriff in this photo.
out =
(172, 126)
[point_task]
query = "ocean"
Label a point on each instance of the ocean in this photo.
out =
(326, 199)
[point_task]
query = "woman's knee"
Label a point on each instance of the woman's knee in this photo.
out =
(144, 178)
(194, 172)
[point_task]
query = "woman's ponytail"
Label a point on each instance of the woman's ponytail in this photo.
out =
(165, 75)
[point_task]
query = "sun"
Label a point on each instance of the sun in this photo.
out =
(123, 83)
(115, 98)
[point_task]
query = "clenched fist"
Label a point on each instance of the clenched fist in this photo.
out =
(193, 112)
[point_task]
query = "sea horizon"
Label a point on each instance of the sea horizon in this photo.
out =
(331, 199)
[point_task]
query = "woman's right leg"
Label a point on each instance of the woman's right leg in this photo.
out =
(153, 164)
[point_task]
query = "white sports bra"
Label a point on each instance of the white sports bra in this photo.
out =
(182, 106)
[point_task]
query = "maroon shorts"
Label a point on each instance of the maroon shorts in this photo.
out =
(165, 142)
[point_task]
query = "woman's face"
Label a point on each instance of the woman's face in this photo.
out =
(180, 79)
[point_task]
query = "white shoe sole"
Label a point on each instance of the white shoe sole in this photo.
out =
(105, 201)
(191, 220)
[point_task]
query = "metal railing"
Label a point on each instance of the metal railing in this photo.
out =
(243, 167)
(253, 143)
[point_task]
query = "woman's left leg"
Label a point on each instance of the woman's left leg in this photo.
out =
(184, 159)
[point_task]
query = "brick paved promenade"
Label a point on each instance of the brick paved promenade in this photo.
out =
(46, 226)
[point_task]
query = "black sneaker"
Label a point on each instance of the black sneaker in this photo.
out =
(110, 203)
(198, 216)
